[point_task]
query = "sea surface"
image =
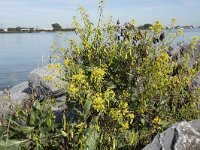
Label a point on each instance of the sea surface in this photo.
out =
(22, 52)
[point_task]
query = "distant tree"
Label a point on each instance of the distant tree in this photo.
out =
(56, 27)
(145, 26)
(18, 29)
(11, 29)
(1, 30)
(31, 30)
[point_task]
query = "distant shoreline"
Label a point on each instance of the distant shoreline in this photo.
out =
(36, 32)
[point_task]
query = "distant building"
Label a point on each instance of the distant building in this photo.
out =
(2, 30)
(27, 29)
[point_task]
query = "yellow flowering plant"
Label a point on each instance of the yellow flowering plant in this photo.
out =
(131, 85)
(121, 92)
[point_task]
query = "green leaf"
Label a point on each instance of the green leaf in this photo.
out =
(37, 105)
(92, 138)
(142, 121)
(110, 85)
(11, 144)
(79, 112)
(26, 130)
(87, 107)
(33, 117)
(64, 133)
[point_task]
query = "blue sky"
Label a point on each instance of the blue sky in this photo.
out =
(43, 13)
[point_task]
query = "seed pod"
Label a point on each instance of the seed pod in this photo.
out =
(155, 40)
(162, 36)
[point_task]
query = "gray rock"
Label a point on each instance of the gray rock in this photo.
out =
(61, 99)
(60, 104)
(188, 138)
(59, 107)
(195, 124)
(48, 89)
(196, 81)
(181, 136)
(44, 88)
(195, 56)
(175, 52)
(10, 99)
(21, 88)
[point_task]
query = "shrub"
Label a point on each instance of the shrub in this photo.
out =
(122, 92)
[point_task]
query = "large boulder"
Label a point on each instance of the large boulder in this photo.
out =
(10, 99)
(21, 88)
(42, 87)
(48, 89)
(181, 136)
(180, 49)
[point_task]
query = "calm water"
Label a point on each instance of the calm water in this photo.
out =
(21, 53)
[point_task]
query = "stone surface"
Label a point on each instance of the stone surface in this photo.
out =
(177, 51)
(188, 138)
(21, 88)
(9, 99)
(60, 104)
(196, 81)
(181, 136)
(44, 88)
(195, 55)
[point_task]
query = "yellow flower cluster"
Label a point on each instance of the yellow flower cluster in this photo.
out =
(109, 93)
(194, 41)
(179, 32)
(55, 68)
(98, 74)
(80, 77)
(173, 22)
(55, 57)
(125, 94)
(172, 35)
(49, 78)
(72, 89)
(157, 27)
(121, 114)
(156, 121)
(124, 107)
(98, 102)
(193, 105)
(78, 82)
(125, 125)
(50, 66)
(143, 105)
(67, 62)
(133, 22)
(115, 114)
(80, 126)
(164, 57)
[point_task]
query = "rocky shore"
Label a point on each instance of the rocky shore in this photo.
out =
(37, 86)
